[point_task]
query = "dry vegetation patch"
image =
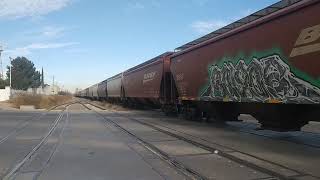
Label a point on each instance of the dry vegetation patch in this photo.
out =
(110, 106)
(39, 101)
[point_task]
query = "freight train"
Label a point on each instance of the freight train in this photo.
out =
(266, 64)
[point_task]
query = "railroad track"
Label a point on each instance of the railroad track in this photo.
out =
(250, 128)
(178, 166)
(268, 167)
(310, 139)
(253, 128)
(11, 172)
(20, 126)
(182, 168)
(293, 137)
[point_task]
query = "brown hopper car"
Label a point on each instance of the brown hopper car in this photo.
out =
(144, 84)
(266, 64)
(269, 68)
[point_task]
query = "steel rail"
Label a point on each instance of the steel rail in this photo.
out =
(10, 174)
(224, 154)
(190, 173)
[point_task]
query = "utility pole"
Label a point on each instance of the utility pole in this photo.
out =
(52, 84)
(42, 78)
(1, 73)
(10, 72)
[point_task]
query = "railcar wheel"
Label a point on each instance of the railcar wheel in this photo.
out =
(230, 116)
(191, 113)
(225, 113)
(169, 110)
(282, 121)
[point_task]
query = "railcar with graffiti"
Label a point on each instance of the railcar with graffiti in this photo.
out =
(266, 64)
(264, 80)
(269, 68)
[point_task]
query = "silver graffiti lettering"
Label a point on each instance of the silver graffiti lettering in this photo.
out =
(259, 81)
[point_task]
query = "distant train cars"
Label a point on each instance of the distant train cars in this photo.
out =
(266, 65)
(102, 90)
(145, 83)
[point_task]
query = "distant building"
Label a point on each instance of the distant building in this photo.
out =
(46, 90)
(55, 89)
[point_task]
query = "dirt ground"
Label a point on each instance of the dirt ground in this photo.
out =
(6, 106)
(110, 106)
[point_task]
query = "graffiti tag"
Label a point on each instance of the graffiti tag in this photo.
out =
(261, 80)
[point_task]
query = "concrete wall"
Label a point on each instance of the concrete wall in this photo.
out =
(5, 94)
(48, 90)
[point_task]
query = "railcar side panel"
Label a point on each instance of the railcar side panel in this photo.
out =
(114, 87)
(90, 95)
(102, 89)
(144, 82)
(95, 91)
(275, 60)
(87, 92)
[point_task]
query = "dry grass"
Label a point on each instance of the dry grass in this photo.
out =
(110, 106)
(39, 101)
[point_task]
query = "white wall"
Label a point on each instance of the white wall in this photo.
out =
(5, 94)
(48, 90)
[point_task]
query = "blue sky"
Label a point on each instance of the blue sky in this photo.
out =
(82, 42)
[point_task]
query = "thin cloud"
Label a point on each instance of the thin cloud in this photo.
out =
(247, 12)
(45, 33)
(27, 50)
(30, 8)
(49, 45)
(243, 14)
(52, 31)
(138, 5)
(200, 2)
(135, 5)
(204, 27)
(76, 51)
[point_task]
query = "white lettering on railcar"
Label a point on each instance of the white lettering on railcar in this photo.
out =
(149, 77)
(307, 36)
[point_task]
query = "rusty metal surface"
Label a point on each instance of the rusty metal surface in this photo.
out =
(261, 14)
(144, 80)
(285, 49)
